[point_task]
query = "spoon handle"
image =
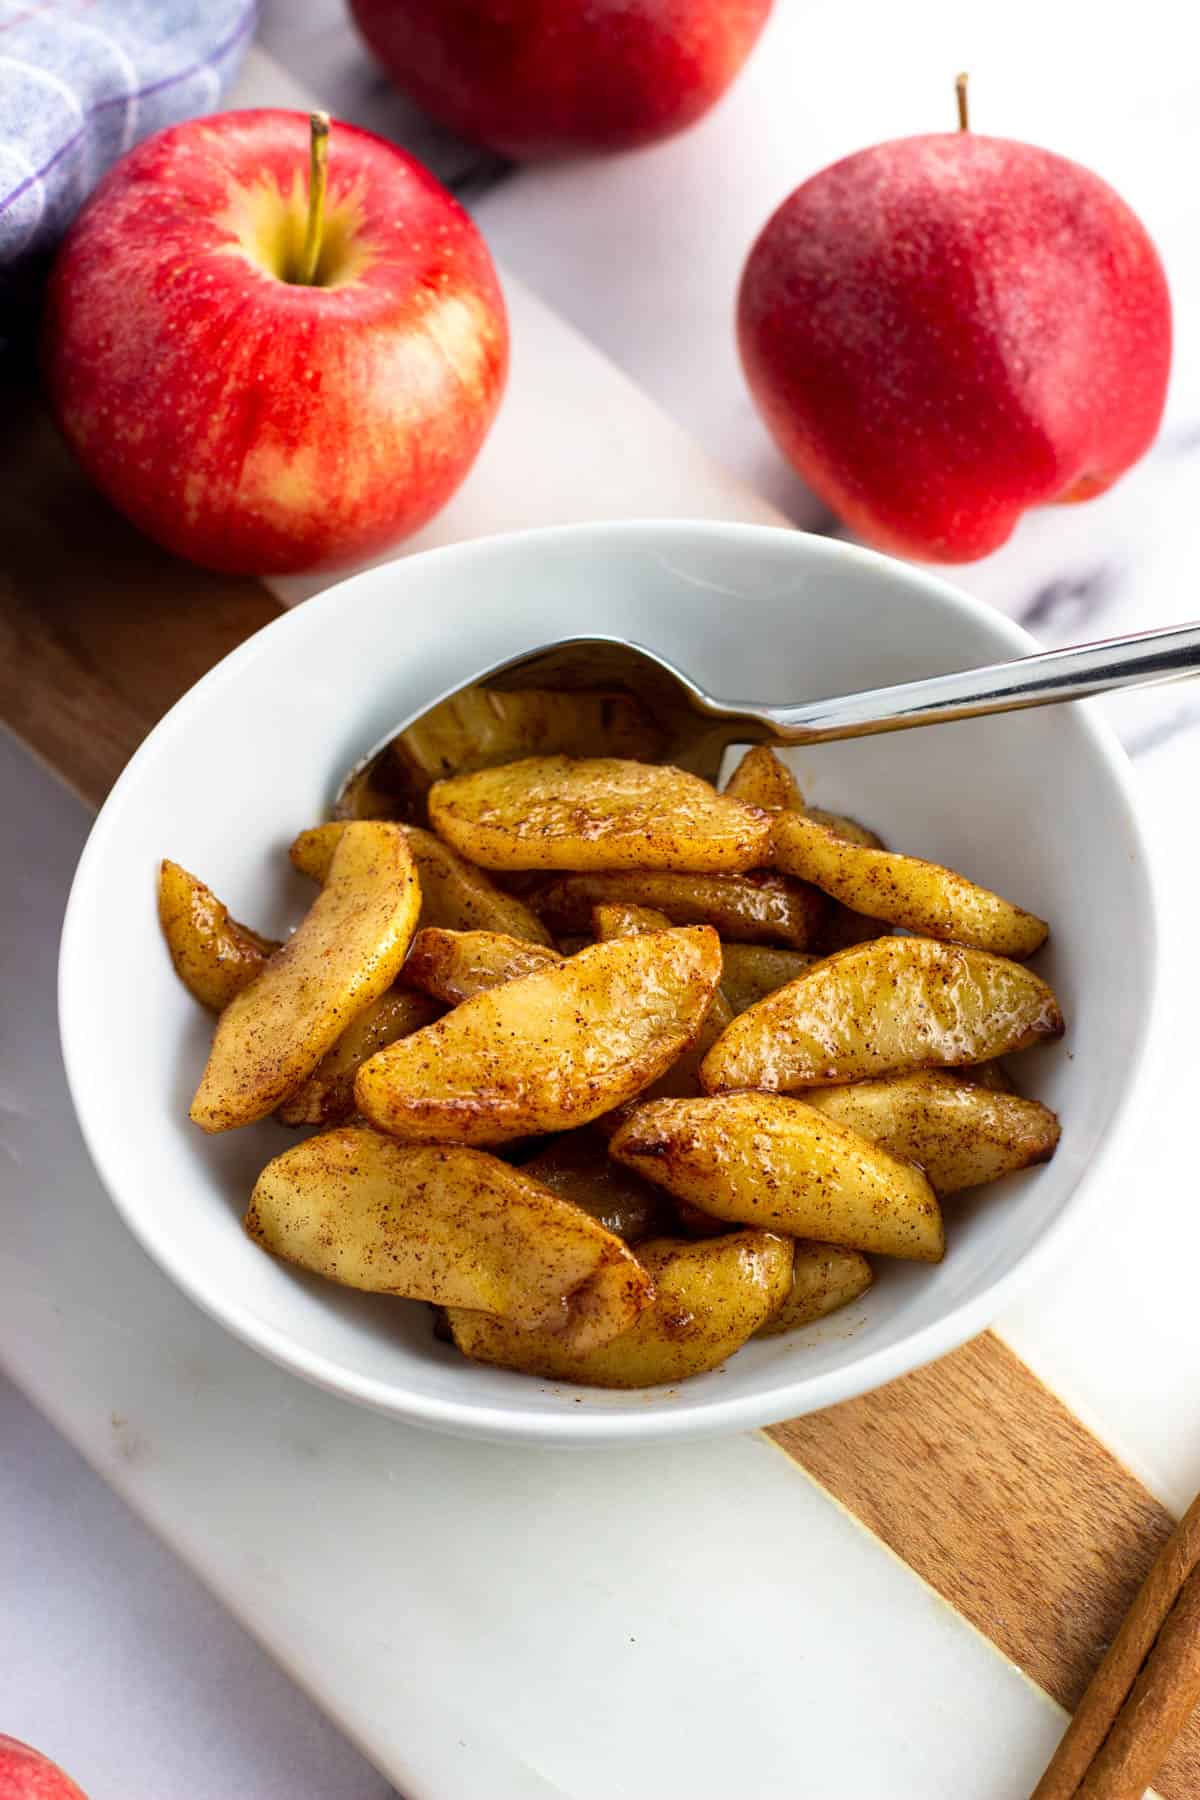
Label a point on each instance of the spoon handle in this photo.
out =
(1140, 660)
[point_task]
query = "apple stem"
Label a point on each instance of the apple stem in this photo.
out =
(318, 170)
(960, 94)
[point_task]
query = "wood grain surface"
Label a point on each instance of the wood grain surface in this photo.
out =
(970, 1470)
(100, 631)
(992, 1490)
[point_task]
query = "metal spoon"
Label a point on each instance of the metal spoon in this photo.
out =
(680, 722)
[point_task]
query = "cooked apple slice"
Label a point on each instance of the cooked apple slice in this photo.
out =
(761, 779)
(327, 1097)
(764, 907)
(844, 827)
(771, 1161)
(844, 926)
(825, 1277)
(456, 965)
(454, 895)
(550, 1050)
(986, 1074)
(921, 896)
(962, 1133)
(214, 956)
(556, 812)
(683, 1077)
(312, 852)
(576, 1166)
(454, 1226)
(617, 920)
(478, 727)
(481, 727)
(752, 971)
(693, 1221)
(895, 1003)
(346, 951)
(710, 1297)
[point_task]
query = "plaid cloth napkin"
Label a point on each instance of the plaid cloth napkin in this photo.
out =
(82, 80)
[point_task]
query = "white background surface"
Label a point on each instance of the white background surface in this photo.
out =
(448, 1601)
(117, 1661)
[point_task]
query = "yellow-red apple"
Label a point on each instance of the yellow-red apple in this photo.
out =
(555, 77)
(266, 372)
(25, 1774)
(943, 331)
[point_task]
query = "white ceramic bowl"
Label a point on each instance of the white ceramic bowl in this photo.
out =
(1036, 804)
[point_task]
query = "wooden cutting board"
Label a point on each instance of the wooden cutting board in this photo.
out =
(969, 1470)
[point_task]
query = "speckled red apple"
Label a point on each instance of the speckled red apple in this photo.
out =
(25, 1774)
(534, 78)
(251, 414)
(943, 331)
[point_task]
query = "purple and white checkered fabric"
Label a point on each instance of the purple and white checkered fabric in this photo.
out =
(82, 80)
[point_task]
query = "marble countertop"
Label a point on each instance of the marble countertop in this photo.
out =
(642, 254)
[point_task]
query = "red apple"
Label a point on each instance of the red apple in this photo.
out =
(554, 77)
(25, 1774)
(943, 331)
(251, 415)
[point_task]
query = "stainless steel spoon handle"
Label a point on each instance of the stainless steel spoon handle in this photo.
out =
(1140, 660)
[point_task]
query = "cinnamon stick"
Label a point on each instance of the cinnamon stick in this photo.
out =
(1116, 1704)
(1164, 1697)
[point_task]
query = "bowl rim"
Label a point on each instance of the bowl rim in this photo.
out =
(506, 1423)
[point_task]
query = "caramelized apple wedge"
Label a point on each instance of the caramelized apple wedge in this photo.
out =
(556, 812)
(618, 920)
(825, 1277)
(763, 907)
(454, 895)
(346, 951)
(921, 896)
(449, 1225)
(892, 1004)
(683, 1077)
(845, 827)
(456, 965)
(710, 1297)
(986, 1074)
(312, 851)
(576, 1166)
(214, 956)
(327, 1097)
(550, 1050)
(752, 971)
(481, 726)
(762, 779)
(961, 1133)
(771, 1161)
